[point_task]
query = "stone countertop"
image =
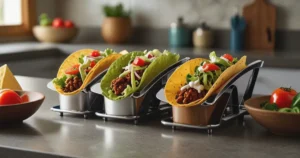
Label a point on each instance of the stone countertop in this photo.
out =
(48, 135)
(272, 59)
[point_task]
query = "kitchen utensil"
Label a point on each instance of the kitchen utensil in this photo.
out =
(81, 103)
(203, 36)
(219, 108)
(19, 112)
(260, 17)
(54, 35)
(179, 34)
(238, 26)
(138, 104)
(279, 123)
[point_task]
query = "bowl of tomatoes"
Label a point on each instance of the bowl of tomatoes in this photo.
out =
(16, 106)
(54, 31)
(278, 112)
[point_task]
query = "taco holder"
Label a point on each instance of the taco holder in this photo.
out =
(139, 104)
(213, 112)
(82, 103)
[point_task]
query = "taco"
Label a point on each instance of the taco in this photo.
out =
(79, 68)
(134, 71)
(196, 80)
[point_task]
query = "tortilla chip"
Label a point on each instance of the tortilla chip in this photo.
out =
(178, 79)
(73, 59)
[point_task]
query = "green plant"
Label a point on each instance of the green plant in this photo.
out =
(44, 20)
(115, 11)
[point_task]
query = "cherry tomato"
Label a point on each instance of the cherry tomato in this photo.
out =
(210, 67)
(95, 53)
(57, 23)
(150, 56)
(228, 57)
(74, 70)
(8, 97)
(68, 24)
(283, 97)
(139, 62)
(25, 98)
(92, 64)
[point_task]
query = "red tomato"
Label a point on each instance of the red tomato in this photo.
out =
(150, 56)
(139, 62)
(24, 98)
(74, 70)
(68, 24)
(283, 97)
(58, 22)
(92, 64)
(8, 97)
(228, 57)
(95, 53)
(210, 67)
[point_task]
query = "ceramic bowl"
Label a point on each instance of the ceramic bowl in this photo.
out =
(19, 112)
(279, 123)
(50, 34)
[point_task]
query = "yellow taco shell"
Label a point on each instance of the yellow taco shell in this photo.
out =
(178, 79)
(73, 59)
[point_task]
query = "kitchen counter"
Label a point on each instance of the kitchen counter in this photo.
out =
(272, 59)
(48, 135)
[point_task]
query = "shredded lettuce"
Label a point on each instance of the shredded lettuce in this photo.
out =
(60, 81)
(108, 52)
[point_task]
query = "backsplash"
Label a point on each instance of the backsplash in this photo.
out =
(160, 13)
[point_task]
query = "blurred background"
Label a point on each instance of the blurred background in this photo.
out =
(39, 34)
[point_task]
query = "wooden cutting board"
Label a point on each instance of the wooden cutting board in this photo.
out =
(260, 17)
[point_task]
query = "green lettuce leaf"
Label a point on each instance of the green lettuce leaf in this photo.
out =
(158, 65)
(60, 81)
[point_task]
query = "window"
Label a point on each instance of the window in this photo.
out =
(16, 17)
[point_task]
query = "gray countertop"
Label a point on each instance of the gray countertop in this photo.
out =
(272, 59)
(46, 134)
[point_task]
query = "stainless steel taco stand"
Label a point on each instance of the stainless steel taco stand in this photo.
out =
(82, 103)
(139, 104)
(220, 108)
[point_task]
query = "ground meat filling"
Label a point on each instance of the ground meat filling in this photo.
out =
(72, 84)
(119, 84)
(189, 95)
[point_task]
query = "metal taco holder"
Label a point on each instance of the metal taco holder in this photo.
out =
(139, 104)
(229, 94)
(82, 103)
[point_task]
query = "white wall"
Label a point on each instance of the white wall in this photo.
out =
(160, 13)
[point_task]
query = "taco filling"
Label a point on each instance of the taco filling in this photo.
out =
(75, 75)
(205, 75)
(133, 72)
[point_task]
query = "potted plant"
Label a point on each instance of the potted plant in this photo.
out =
(116, 26)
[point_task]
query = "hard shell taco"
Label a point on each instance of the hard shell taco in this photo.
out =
(79, 68)
(134, 71)
(196, 80)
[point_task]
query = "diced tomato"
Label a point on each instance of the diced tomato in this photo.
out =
(95, 53)
(228, 57)
(139, 62)
(74, 70)
(150, 56)
(210, 67)
(92, 64)
(9, 97)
